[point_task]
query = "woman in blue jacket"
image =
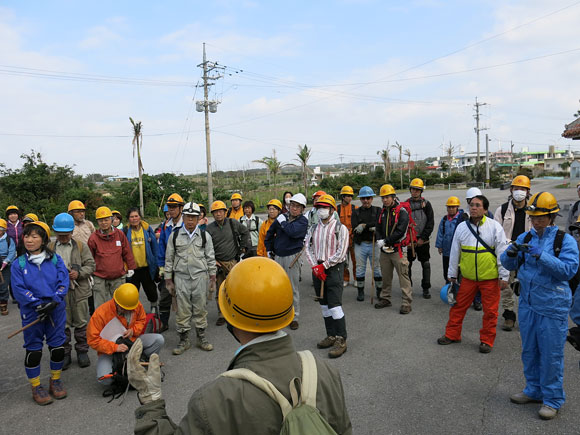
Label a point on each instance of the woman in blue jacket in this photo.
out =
(544, 304)
(143, 243)
(40, 282)
(447, 229)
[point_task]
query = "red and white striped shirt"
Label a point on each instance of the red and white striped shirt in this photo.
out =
(322, 243)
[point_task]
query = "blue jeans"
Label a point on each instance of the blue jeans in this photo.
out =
(364, 253)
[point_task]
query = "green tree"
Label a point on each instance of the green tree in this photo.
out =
(304, 154)
(273, 166)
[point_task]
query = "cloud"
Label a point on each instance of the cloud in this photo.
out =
(97, 37)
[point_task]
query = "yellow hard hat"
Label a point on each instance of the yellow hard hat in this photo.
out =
(12, 207)
(257, 296)
(42, 225)
(236, 196)
(116, 212)
(275, 203)
(417, 183)
(30, 217)
(175, 199)
(387, 189)
(453, 201)
(103, 212)
(218, 205)
(3, 223)
(522, 181)
(127, 296)
(542, 203)
(326, 200)
(75, 205)
(347, 190)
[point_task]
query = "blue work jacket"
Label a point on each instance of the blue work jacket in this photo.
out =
(446, 231)
(287, 238)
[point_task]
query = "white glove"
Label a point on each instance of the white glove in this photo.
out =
(271, 254)
(359, 228)
(380, 243)
(146, 382)
(130, 273)
(281, 218)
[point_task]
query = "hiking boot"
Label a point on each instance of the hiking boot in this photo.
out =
(405, 309)
(477, 306)
(361, 295)
(484, 348)
(508, 325)
(383, 303)
(294, 325)
(426, 294)
(547, 412)
(56, 389)
(4, 309)
(83, 360)
(445, 341)
(202, 342)
(164, 327)
(66, 362)
(40, 396)
(522, 399)
(220, 321)
(183, 345)
(339, 347)
(326, 343)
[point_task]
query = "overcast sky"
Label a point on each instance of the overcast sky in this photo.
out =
(344, 77)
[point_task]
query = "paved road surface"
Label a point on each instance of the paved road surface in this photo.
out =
(397, 379)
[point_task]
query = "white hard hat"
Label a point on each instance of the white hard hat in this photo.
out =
(192, 209)
(472, 192)
(299, 198)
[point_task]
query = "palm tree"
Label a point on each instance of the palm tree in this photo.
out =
(408, 154)
(304, 154)
(400, 148)
(386, 158)
(273, 166)
(137, 144)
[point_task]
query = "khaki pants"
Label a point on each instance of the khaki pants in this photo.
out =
(104, 288)
(294, 275)
(508, 299)
(221, 276)
(77, 312)
(191, 294)
(390, 262)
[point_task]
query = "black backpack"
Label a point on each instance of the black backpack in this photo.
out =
(176, 231)
(118, 373)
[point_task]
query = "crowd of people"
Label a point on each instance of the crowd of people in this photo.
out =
(85, 282)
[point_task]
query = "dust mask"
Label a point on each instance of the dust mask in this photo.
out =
(519, 195)
(287, 201)
(323, 213)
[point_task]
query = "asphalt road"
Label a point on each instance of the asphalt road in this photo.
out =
(397, 379)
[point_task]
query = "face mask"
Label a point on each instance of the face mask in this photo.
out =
(323, 213)
(287, 201)
(519, 195)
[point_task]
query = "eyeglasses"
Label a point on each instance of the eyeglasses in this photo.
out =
(475, 204)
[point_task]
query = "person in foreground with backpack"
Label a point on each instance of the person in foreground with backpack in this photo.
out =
(80, 265)
(477, 246)
(392, 239)
(189, 268)
(256, 300)
(123, 312)
(326, 246)
(545, 258)
(40, 283)
(7, 256)
(513, 218)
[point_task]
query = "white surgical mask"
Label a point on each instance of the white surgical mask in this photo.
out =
(287, 201)
(323, 213)
(519, 195)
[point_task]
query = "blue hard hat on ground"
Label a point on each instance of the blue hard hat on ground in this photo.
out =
(63, 223)
(448, 290)
(365, 192)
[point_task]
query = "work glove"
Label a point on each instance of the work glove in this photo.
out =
(43, 310)
(512, 250)
(161, 272)
(271, 254)
(130, 273)
(359, 228)
(535, 251)
(380, 243)
(372, 229)
(318, 272)
(281, 219)
(146, 382)
(4, 264)
(170, 286)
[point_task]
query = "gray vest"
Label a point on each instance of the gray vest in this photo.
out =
(418, 213)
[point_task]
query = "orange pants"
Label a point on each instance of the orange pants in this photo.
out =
(346, 274)
(490, 296)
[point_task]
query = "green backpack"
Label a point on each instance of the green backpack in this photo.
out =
(302, 416)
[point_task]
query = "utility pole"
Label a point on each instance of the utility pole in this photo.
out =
(400, 148)
(512, 158)
(208, 106)
(477, 129)
(486, 160)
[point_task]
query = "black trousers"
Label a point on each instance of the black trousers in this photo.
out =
(142, 278)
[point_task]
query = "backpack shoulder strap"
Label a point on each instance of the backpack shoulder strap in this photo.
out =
(527, 237)
(575, 207)
(504, 208)
(203, 238)
(263, 384)
(22, 261)
(54, 259)
(478, 237)
(79, 245)
(229, 212)
(309, 378)
(558, 240)
(338, 207)
(174, 234)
